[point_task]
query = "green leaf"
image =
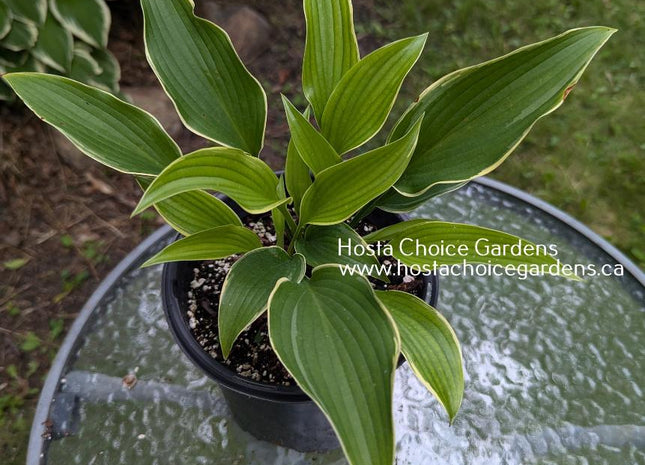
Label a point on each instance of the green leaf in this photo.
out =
(55, 45)
(29, 10)
(194, 211)
(390, 233)
(340, 191)
(89, 20)
(31, 342)
(245, 179)
(10, 60)
(312, 147)
(478, 245)
(341, 347)
(361, 103)
(56, 328)
(12, 371)
(15, 264)
(103, 127)
(212, 244)
(111, 71)
(6, 18)
(320, 246)
(23, 36)
(394, 202)
(297, 175)
(279, 216)
(85, 68)
(246, 292)
(30, 65)
(195, 61)
(296, 172)
(475, 117)
(67, 241)
(430, 346)
(331, 49)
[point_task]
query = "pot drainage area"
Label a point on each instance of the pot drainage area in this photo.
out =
(554, 369)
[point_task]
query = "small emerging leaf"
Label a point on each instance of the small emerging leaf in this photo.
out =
(312, 147)
(246, 292)
(297, 175)
(212, 244)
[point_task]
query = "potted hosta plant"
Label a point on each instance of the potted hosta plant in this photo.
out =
(280, 252)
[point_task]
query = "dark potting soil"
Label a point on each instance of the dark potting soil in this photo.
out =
(252, 355)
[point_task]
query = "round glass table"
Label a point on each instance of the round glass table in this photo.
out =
(555, 369)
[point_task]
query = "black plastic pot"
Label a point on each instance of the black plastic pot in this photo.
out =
(282, 415)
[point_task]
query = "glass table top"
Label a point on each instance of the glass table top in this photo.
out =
(555, 369)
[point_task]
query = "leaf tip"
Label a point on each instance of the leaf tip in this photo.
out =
(150, 262)
(574, 277)
(226, 347)
(289, 108)
(420, 40)
(8, 77)
(141, 206)
(452, 409)
(608, 30)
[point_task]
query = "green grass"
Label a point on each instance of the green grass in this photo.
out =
(588, 157)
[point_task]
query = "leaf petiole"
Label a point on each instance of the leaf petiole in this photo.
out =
(296, 235)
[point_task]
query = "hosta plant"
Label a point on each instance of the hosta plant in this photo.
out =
(66, 37)
(324, 325)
